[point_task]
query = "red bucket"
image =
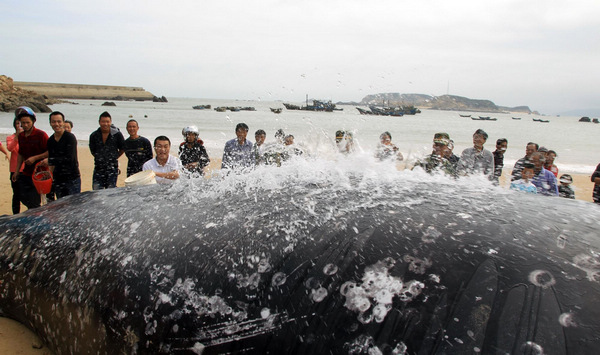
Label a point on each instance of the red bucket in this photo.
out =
(42, 179)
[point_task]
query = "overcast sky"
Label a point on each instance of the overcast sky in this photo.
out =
(544, 54)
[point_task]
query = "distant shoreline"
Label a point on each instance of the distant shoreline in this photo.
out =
(89, 92)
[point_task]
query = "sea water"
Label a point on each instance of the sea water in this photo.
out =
(575, 142)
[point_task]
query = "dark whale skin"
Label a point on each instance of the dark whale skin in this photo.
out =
(444, 269)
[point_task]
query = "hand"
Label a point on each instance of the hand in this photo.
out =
(29, 161)
(15, 176)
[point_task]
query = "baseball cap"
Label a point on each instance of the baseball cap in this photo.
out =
(442, 138)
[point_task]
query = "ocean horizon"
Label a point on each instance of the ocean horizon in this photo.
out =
(573, 141)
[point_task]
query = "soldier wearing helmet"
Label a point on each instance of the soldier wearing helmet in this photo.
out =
(192, 153)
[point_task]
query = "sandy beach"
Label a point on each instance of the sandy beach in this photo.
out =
(17, 339)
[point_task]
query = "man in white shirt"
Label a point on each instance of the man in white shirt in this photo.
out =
(165, 166)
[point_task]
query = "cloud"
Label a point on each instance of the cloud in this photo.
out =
(511, 52)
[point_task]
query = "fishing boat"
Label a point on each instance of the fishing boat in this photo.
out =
(317, 105)
(516, 118)
(464, 115)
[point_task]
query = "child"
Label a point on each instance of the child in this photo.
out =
(564, 190)
(524, 184)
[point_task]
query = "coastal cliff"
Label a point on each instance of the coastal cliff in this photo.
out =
(12, 97)
(443, 102)
(77, 91)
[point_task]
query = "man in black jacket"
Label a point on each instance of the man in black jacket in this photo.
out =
(62, 158)
(106, 145)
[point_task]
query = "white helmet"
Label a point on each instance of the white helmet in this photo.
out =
(190, 129)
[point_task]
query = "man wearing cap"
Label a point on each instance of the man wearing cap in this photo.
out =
(32, 149)
(437, 159)
(477, 160)
(106, 145)
(564, 189)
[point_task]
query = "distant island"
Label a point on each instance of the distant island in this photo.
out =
(80, 91)
(444, 102)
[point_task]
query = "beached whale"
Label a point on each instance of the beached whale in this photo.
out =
(349, 263)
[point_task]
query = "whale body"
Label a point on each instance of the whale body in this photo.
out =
(404, 264)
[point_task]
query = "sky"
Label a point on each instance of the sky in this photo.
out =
(543, 54)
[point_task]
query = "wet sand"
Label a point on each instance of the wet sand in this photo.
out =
(17, 339)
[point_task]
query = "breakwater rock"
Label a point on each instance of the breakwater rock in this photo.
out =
(12, 97)
(93, 92)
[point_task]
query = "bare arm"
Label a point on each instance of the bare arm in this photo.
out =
(171, 175)
(19, 165)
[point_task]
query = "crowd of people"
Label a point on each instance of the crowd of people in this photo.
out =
(28, 146)
(534, 173)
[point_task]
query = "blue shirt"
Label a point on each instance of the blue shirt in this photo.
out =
(545, 182)
(237, 156)
(521, 185)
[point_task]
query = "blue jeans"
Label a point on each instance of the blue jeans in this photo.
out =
(63, 189)
(104, 179)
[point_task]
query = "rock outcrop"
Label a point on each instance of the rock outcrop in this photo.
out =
(12, 97)
(159, 99)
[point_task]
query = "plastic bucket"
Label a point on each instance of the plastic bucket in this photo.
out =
(42, 179)
(141, 178)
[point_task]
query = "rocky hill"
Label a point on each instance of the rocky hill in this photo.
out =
(444, 102)
(12, 97)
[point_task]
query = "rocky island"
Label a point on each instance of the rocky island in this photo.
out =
(93, 92)
(443, 102)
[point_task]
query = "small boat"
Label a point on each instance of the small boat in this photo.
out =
(276, 110)
(464, 115)
(201, 107)
(516, 118)
(130, 116)
(540, 120)
(484, 117)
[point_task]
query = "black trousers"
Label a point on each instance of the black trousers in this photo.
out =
(16, 198)
(27, 192)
